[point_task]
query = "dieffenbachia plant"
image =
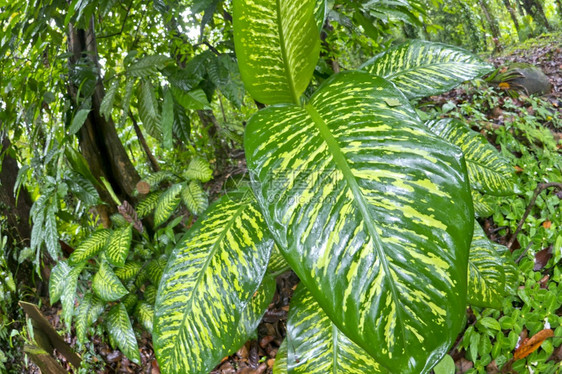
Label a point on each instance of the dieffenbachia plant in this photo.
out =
(368, 205)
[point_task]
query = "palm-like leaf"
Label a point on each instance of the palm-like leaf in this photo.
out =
(277, 45)
(353, 186)
(316, 346)
(488, 170)
(208, 283)
(420, 68)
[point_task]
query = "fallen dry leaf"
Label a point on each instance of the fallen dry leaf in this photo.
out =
(532, 344)
(546, 224)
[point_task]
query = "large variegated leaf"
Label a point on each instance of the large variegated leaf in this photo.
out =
(69, 294)
(145, 315)
(482, 208)
(118, 245)
(89, 247)
(420, 68)
(316, 346)
(167, 204)
(194, 197)
(82, 318)
(277, 46)
(120, 330)
(107, 285)
(280, 366)
(199, 169)
(208, 283)
(57, 281)
(488, 170)
(486, 277)
(354, 185)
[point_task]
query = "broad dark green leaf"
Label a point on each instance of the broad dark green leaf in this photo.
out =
(486, 277)
(353, 186)
(118, 245)
(420, 68)
(148, 110)
(148, 66)
(316, 346)
(107, 103)
(277, 46)
(89, 247)
(51, 233)
(78, 121)
(208, 283)
(488, 170)
(120, 330)
(107, 285)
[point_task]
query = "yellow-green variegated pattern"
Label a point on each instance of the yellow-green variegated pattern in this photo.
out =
(120, 330)
(482, 207)
(118, 245)
(486, 275)
(208, 284)
(316, 346)
(420, 68)
(107, 285)
(372, 211)
(277, 45)
(488, 170)
(280, 366)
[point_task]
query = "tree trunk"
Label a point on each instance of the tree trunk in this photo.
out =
(492, 23)
(99, 143)
(535, 9)
(512, 13)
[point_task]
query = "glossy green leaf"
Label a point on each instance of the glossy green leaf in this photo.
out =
(199, 169)
(108, 101)
(277, 46)
(118, 245)
(210, 280)
(82, 318)
(277, 262)
(280, 366)
(316, 346)
(78, 121)
(486, 277)
(191, 100)
(107, 285)
(320, 12)
(119, 328)
(148, 110)
(126, 102)
(488, 170)
(57, 281)
(167, 204)
(420, 68)
(445, 366)
(145, 315)
(51, 233)
(89, 247)
(352, 186)
(481, 206)
(69, 294)
(194, 198)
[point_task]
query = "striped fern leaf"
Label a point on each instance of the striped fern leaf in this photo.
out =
(121, 332)
(126, 102)
(199, 169)
(167, 204)
(488, 170)
(57, 281)
(148, 110)
(277, 46)
(108, 101)
(89, 247)
(146, 206)
(148, 66)
(420, 68)
(107, 285)
(210, 280)
(118, 245)
(145, 314)
(194, 198)
(398, 192)
(316, 346)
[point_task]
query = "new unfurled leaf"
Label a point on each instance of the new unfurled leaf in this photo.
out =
(277, 46)
(352, 186)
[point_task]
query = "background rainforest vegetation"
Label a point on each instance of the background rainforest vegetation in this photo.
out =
(312, 186)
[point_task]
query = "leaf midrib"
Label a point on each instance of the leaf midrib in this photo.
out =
(288, 71)
(341, 162)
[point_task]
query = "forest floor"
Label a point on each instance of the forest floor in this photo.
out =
(258, 356)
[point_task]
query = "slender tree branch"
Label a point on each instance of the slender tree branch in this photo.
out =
(541, 187)
(122, 24)
(142, 140)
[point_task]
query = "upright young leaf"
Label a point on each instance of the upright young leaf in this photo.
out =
(488, 170)
(420, 68)
(194, 197)
(107, 285)
(208, 283)
(316, 346)
(277, 45)
(486, 276)
(78, 121)
(167, 204)
(118, 245)
(119, 328)
(51, 233)
(89, 247)
(353, 186)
